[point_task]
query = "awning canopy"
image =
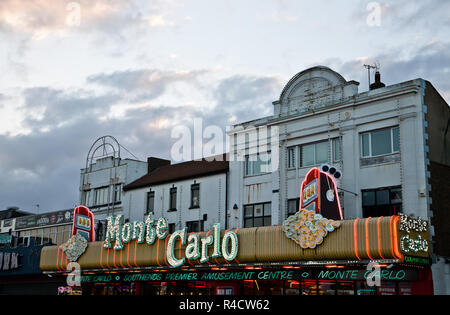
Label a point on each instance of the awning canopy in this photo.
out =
(355, 240)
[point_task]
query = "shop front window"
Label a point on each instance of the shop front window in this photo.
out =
(309, 288)
(257, 215)
(327, 288)
(194, 226)
(293, 206)
(345, 288)
(362, 288)
(387, 288)
(404, 288)
(293, 287)
(382, 202)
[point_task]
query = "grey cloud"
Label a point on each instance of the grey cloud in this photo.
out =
(105, 23)
(404, 14)
(43, 167)
(429, 62)
(60, 106)
(144, 84)
(109, 16)
(426, 13)
(247, 97)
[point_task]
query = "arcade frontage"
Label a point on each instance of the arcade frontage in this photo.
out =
(260, 280)
(372, 256)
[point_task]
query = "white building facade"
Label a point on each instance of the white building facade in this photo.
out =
(378, 139)
(101, 184)
(190, 194)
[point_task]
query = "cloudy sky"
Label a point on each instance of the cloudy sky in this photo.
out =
(73, 71)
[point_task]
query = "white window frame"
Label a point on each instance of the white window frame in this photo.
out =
(315, 154)
(370, 143)
(117, 193)
(294, 162)
(248, 172)
(333, 152)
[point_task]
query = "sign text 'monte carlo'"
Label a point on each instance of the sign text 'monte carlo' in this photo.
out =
(148, 231)
(304, 274)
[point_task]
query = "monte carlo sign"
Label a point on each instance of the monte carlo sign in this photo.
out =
(316, 232)
(147, 232)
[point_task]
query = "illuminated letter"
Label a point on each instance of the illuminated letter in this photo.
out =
(140, 236)
(150, 233)
(113, 232)
(161, 228)
(174, 262)
(216, 252)
(205, 242)
(230, 255)
(126, 233)
(192, 250)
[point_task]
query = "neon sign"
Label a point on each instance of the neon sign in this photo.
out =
(307, 274)
(408, 244)
(308, 229)
(408, 224)
(319, 208)
(83, 223)
(148, 231)
(415, 240)
(319, 193)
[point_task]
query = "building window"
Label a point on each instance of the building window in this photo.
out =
(314, 154)
(100, 231)
(171, 228)
(257, 215)
(86, 198)
(117, 192)
(173, 199)
(194, 226)
(292, 157)
(293, 206)
(56, 235)
(382, 202)
(337, 153)
(258, 164)
(101, 196)
(150, 202)
(380, 142)
(195, 196)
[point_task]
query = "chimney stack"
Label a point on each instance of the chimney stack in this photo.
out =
(378, 84)
(154, 163)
